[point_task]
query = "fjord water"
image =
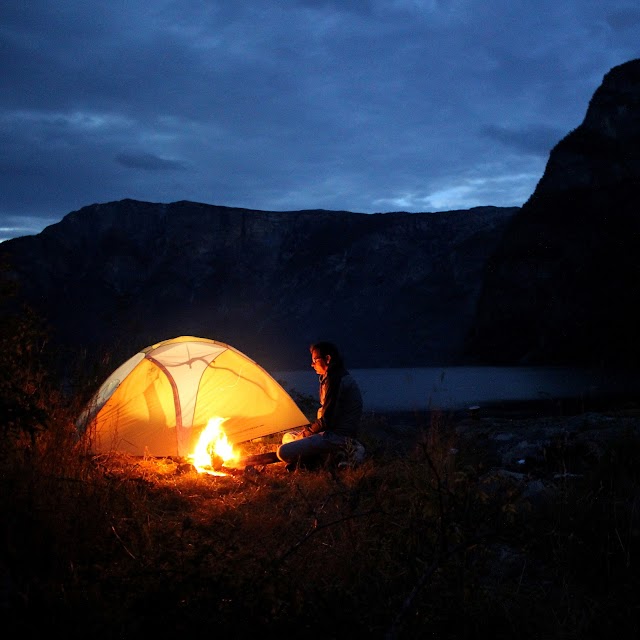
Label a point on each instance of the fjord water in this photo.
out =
(452, 388)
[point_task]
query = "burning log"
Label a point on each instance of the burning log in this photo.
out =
(217, 462)
(256, 460)
(214, 454)
(262, 458)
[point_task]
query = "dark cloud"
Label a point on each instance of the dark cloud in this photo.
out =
(148, 161)
(534, 139)
(623, 19)
(363, 7)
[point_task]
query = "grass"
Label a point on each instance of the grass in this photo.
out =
(425, 539)
(414, 542)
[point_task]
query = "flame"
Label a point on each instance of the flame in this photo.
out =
(213, 442)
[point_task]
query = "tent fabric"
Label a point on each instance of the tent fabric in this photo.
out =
(158, 402)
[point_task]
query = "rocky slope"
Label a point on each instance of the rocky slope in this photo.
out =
(562, 286)
(393, 289)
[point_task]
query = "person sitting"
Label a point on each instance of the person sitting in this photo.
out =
(334, 433)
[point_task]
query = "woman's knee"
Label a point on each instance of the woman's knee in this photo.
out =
(281, 452)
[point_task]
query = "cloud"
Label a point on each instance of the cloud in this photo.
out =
(24, 225)
(466, 192)
(337, 104)
(624, 19)
(533, 139)
(148, 162)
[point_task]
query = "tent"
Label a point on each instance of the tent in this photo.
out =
(158, 402)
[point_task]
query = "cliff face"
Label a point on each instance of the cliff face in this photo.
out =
(393, 289)
(562, 285)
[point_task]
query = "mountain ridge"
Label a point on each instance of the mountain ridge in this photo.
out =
(384, 286)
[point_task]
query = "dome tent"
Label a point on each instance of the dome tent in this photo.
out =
(158, 402)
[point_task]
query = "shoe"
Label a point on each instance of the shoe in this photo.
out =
(359, 453)
(354, 455)
(290, 436)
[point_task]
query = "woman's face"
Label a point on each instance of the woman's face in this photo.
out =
(319, 364)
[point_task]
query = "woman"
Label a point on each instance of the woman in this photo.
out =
(335, 430)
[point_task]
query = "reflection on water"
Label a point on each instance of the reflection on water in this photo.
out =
(427, 388)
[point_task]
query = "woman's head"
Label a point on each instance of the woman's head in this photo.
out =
(325, 356)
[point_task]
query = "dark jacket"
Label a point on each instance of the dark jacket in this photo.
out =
(340, 404)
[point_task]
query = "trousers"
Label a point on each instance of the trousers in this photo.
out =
(318, 445)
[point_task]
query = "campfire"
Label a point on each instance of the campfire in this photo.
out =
(215, 455)
(213, 451)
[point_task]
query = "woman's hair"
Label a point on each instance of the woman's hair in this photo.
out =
(328, 349)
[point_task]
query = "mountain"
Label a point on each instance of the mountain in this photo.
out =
(562, 286)
(392, 289)
(552, 282)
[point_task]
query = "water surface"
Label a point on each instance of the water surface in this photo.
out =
(430, 388)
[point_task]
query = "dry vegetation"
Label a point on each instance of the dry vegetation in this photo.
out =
(416, 542)
(411, 543)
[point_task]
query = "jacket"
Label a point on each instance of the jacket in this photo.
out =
(340, 405)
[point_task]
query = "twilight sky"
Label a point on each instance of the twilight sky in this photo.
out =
(358, 105)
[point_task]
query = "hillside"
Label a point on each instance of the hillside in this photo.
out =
(562, 285)
(393, 289)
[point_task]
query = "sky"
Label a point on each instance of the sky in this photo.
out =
(281, 105)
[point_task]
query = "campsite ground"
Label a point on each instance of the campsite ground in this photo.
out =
(512, 522)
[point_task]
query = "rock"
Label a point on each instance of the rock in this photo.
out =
(561, 286)
(120, 276)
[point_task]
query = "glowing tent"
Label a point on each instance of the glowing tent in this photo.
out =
(158, 402)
